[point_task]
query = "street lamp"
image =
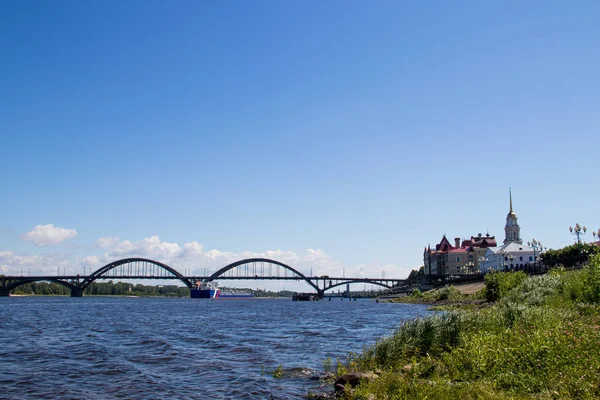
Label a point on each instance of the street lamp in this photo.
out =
(577, 231)
(596, 235)
(537, 245)
(469, 267)
(500, 258)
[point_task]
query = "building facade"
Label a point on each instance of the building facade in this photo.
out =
(480, 253)
(511, 256)
(463, 257)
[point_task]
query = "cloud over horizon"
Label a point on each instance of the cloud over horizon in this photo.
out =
(106, 242)
(191, 258)
(47, 235)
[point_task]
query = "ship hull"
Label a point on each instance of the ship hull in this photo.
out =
(204, 293)
(235, 296)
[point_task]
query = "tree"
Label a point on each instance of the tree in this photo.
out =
(415, 274)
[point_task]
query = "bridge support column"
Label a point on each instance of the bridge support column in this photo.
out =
(76, 291)
(4, 292)
(321, 294)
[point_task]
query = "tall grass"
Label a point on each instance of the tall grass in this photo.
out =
(540, 340)
(417, 337)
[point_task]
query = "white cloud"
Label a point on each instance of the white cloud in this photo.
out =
(90, 260)
(35, 264)
(192, 258)
(106, 242)
(151, 247)
(191, 249)
(44, 235)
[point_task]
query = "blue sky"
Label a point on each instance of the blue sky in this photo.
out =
(357, 131)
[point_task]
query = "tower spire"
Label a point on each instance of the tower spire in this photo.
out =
(512, 229)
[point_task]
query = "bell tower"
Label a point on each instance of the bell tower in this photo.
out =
(512, 230)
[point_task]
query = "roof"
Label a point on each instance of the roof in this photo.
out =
(483, 241)
(513, 247)
(492, 250)
(444, 245)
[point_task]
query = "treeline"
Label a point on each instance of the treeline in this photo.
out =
(570, 256)
(266, 293)
(111, 288)
(127, 289)
(43, 289)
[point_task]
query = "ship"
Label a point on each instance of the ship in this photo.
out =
(210, 290)
(205, 290)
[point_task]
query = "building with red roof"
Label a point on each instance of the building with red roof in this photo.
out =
(461, 258)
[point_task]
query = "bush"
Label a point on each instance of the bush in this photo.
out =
(592, 292)
(582, 285)
(570, 256)
(534, 291)
(498, 284)
(445, 293)
(449, 293)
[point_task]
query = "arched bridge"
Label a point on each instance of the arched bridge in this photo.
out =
(143, 268)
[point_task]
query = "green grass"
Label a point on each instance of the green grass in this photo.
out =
(445, 293)
(539, 340)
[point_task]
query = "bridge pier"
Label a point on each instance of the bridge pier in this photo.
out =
(76, 291)
(4, 292)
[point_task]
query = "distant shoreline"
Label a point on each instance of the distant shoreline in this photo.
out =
(143, 297)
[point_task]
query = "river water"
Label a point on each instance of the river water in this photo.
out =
(151, 348)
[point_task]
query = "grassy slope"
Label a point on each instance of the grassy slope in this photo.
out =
(540, 340)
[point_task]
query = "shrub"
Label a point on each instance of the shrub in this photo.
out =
(592, 291)
(445, 293)
(449, 293)
(582, 285)
(534, 291)
(498, 284)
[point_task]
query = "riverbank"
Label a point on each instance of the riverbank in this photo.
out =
(446, 298)
(535, 338)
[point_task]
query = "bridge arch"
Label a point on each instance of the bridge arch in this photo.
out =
(16, 283)
(103, 270)
(359, 281)
(266, 260)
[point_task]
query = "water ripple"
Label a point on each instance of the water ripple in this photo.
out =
(180, 348)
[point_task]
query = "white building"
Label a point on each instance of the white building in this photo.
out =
(511, 256)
